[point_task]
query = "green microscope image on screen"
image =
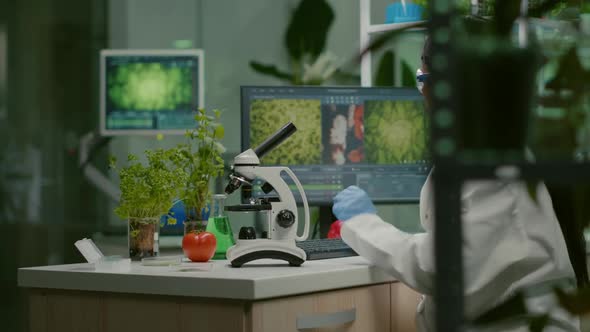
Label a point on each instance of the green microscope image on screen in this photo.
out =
(150, 87)
(304, 147)
(395, 132)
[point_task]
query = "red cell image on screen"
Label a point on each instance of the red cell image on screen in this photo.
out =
(343, 134)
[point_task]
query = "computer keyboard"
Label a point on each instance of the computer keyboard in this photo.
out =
(325, 248)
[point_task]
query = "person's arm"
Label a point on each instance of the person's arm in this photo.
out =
(407, 257)
(495, 244)
(507, 239)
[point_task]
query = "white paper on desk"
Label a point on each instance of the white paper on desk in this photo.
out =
(192, 267)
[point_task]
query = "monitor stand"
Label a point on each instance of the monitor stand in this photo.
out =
(325, 219)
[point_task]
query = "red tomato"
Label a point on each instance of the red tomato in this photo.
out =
(334, 232)
(199, 246)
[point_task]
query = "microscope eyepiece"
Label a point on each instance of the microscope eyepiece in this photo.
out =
(276, 139)
(247, 159)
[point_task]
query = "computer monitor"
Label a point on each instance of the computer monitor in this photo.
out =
(375, 138)
(144, 92)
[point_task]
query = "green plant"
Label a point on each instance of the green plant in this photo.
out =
(305, 40)
(199, 160)
(147, 190)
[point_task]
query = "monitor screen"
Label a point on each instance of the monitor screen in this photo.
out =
(145, 92)
(375, 138)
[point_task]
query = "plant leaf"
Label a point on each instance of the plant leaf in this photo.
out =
(308, 28)
(219, 132)
(270, 70)
(112, 162)
(385, 70)
(408, 75)
(570, 75)
(540, 8)
(346, 78)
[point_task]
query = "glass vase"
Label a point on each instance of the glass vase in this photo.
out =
(194, 226)
(143, 237)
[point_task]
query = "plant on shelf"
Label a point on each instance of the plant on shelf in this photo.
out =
(199, 160)
(147, 192)
(305, 40)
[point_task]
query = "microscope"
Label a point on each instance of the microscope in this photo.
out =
(282, 217)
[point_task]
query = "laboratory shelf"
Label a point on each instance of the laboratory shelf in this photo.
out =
(378, 28)
(367, 30)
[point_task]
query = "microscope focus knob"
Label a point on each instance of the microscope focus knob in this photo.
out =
(247, 233)
(285, 218)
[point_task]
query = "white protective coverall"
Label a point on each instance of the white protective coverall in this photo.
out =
(509, 242)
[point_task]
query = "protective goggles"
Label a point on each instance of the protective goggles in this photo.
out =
(421, 78)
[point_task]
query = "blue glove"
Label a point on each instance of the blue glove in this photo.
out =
(350, 202)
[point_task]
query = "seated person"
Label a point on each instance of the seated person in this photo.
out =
(509, 242)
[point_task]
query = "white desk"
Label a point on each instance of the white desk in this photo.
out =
(345, 294)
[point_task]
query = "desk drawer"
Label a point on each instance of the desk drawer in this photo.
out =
(404, 301)
(362, 309)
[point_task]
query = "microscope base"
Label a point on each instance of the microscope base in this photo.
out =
(248, 250)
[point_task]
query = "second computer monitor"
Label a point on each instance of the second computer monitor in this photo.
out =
(148, 92)
(375, 138)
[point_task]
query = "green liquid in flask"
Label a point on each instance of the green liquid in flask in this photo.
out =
(219, 225)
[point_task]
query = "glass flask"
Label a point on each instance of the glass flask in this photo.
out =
(218, 224)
